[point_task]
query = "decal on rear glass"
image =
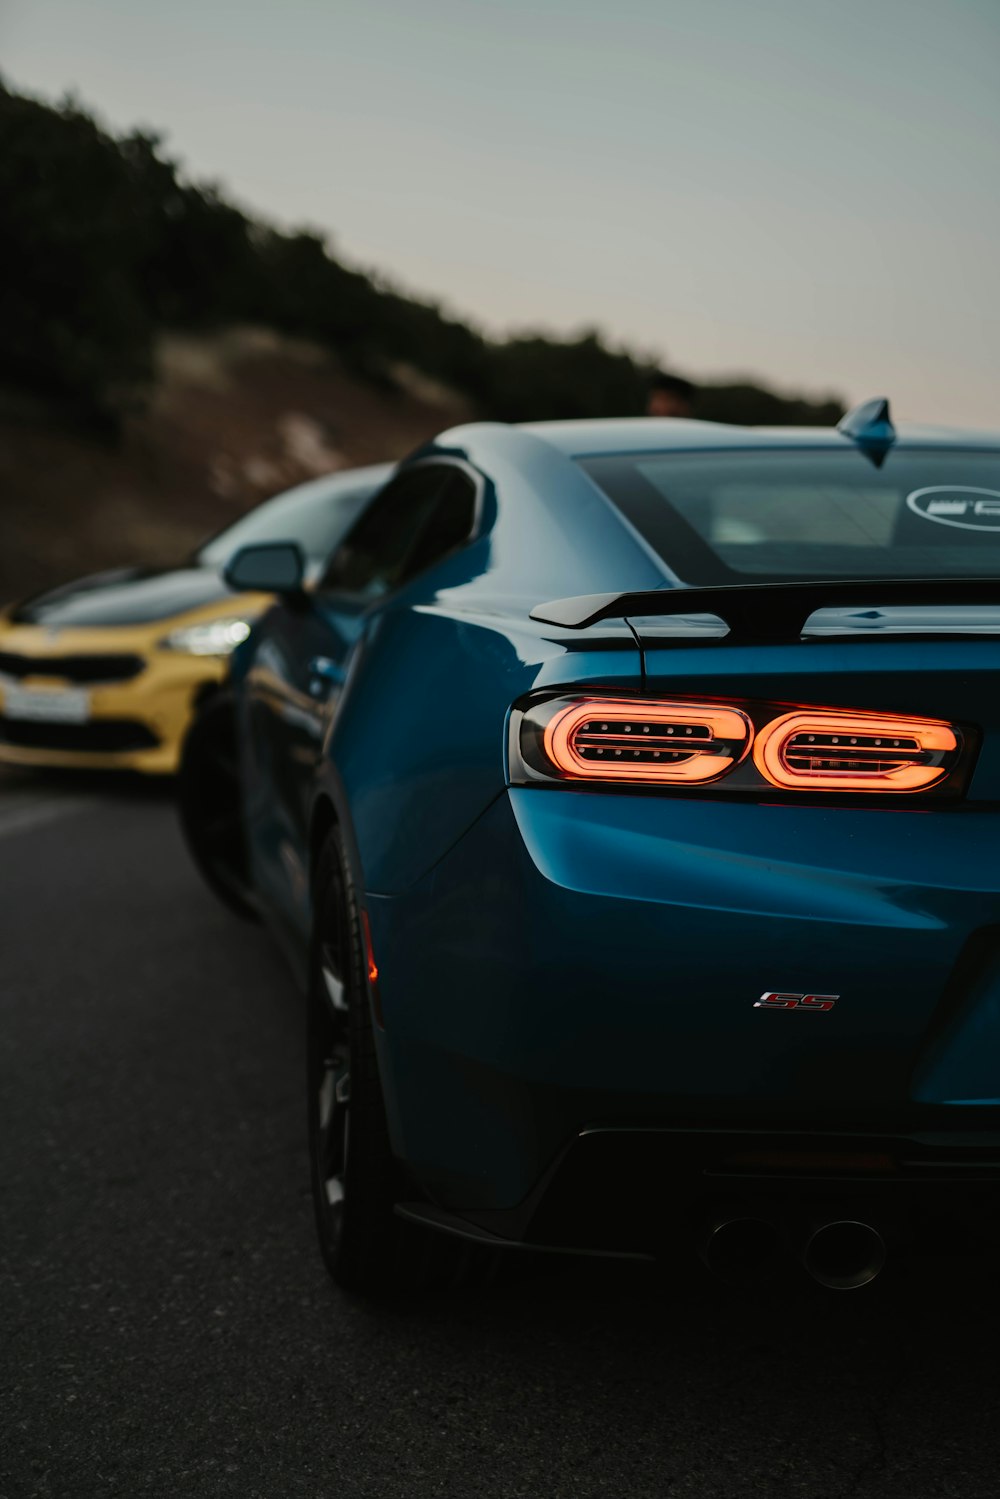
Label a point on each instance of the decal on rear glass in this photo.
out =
(958, 505)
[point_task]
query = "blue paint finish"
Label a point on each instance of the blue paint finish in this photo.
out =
(553, 959)
(870, 426)
(643, 435)
(413, 743)
(551, 521)
(628, 938)
(962, 1065)
(439, 686)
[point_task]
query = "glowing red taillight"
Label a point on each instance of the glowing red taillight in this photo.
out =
(819, 749)
(628, 739)
(746, 748)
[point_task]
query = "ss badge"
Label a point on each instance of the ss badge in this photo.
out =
(773, 1001)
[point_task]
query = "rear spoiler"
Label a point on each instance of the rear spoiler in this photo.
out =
(767, 611)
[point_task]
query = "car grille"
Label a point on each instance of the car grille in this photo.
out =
(92, 668)
(102, 736)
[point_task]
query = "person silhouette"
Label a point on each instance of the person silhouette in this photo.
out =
(670, 395)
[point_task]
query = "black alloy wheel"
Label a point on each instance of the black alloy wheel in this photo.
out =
(356, 1181)
(211, 805)
(354, 1176)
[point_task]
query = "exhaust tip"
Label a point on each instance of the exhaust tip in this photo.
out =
(743, 1250)
(844, 1255)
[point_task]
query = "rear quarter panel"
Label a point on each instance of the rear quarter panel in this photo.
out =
(417, 750)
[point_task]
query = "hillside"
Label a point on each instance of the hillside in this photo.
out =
(168, 360)
(235, 417)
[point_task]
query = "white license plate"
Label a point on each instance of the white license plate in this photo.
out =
(46, 705)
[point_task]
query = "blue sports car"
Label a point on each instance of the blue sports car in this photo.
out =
(602, 754)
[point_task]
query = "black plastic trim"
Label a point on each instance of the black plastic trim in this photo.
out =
(761, 613)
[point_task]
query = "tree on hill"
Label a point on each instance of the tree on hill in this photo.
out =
(107, 245)
(536, 378)
(77, 320)
(752, 405)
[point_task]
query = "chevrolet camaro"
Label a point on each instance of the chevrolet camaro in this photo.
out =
(623, 794)
(106, 672)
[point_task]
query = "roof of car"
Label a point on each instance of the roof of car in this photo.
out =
(644, 434)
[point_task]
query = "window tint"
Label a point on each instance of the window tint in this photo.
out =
(417, 519)
(768, 516)
(447, 525)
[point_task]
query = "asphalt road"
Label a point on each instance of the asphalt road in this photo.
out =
(166, 1327)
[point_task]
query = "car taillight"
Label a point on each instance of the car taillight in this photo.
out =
(742, 747)
(634, 740)
(822, 750)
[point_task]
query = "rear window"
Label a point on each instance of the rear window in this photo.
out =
(767, 516)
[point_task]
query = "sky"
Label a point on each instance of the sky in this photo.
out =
(803, 190)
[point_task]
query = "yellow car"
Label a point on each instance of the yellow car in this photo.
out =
(106, 672)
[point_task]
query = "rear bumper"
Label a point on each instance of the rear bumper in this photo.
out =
(639, 1193)
(583, 966)
(136, 725)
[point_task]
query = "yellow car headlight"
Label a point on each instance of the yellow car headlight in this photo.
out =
(211, 637)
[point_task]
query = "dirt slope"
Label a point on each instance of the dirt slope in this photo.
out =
(233, 419)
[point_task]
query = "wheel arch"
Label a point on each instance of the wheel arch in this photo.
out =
(330, 811)
(324, 820)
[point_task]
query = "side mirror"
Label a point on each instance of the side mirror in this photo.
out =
(269, 567)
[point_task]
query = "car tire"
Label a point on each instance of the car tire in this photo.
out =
(210, 803)
(356, 1181)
